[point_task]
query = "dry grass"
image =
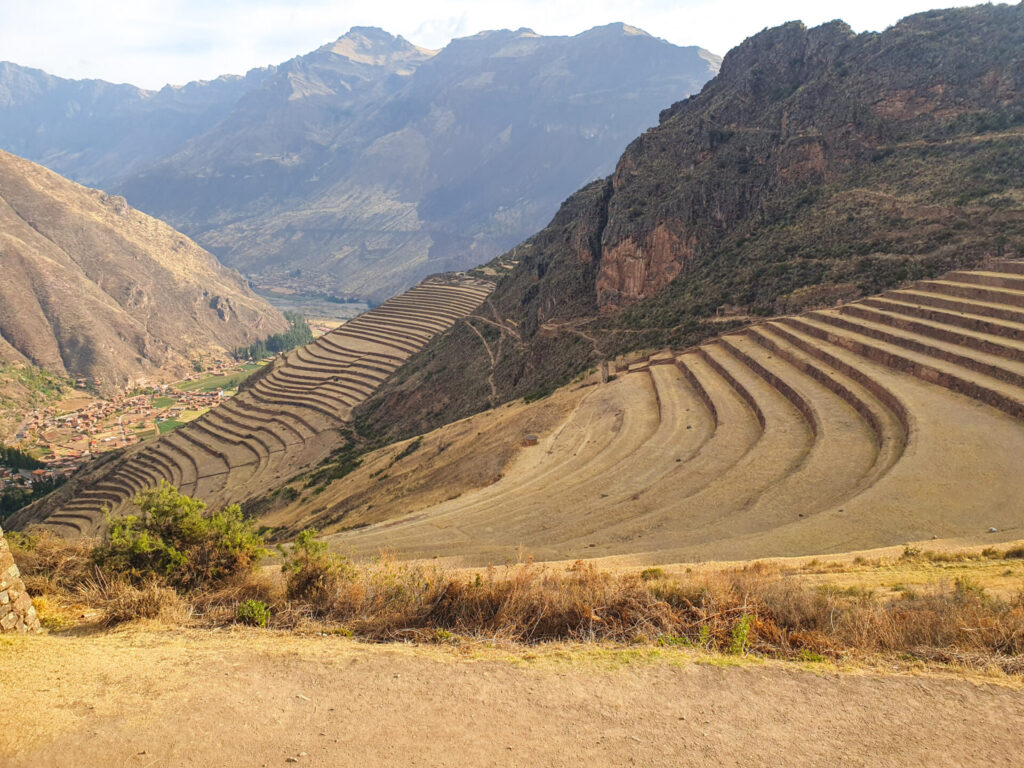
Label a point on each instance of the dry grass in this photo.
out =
(759, 608)
(51, 565)
(121, 601)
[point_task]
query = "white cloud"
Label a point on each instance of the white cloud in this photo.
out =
(150, 42)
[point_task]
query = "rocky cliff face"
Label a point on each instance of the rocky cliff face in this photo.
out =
(796, 113)
(818, 165)
(94, 288)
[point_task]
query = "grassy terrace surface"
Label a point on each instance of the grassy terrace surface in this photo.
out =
(897, 418)
(289, 419)
(169, 425)
(213, 383)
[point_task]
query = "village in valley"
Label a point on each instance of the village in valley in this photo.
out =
(64, 435)
(58, 438)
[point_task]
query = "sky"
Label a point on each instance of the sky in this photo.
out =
(153, 42)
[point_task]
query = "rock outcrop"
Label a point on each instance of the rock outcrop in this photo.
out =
(16, 611)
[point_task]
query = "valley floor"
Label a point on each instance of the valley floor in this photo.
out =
(146, 696)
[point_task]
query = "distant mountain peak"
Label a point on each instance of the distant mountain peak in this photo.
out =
(615, 29)
(622, 28)
(375, 46)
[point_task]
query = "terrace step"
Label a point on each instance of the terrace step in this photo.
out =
(327, 406)
(992, 279)
(992, 309)
(244, 409)
(291, 414)
(1012, 266)
(888, 429)
(1013, 298)
(282, 397)
(165, 469)
(258, 432)
(81, 525)
(980, 341)
(1000, 367)
(986, 389)
(845, 448)
(972, 322)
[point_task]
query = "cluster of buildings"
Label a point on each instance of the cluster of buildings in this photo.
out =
(26, 478)
(103, 425)
(69, 437)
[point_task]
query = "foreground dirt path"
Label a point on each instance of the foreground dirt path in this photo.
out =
(250, 698)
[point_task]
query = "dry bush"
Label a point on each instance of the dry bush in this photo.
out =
(219, 605)
(760, 607)
(121, 600)
(959, 616)
(523, 603)
(49, 564)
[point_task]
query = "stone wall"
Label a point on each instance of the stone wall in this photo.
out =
(16, 611)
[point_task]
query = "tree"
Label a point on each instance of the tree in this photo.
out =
(173, 539)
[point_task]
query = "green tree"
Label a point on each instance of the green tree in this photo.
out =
(176, 540)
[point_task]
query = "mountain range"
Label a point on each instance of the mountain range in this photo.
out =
(368, 163)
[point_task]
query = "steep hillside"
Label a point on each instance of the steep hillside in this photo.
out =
(893, 419)
(291, 417)
(96, 132)
(94, 288)
(817, 166)
(370, 163)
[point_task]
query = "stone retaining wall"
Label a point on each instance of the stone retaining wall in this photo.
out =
(16, 611)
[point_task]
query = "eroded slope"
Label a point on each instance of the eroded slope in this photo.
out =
(94, 288)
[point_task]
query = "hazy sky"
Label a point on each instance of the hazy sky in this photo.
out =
(151, 42)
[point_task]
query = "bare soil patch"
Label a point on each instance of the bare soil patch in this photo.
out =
(148, 697)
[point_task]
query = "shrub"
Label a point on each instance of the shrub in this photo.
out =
(313, 573)
(50, 564)
(652, 574)
(255, 613)
(173, 539)
(740, 637)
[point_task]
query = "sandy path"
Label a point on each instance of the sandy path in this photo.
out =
(250, 698)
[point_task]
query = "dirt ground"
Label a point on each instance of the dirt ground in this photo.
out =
(153, 697)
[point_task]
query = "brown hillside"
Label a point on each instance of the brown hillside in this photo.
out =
(91, 287)
(897, 418)
(292, 417)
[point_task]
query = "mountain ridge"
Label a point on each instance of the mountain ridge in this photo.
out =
(448, 167)
(93, 288)
(96, 132)
(366, 164)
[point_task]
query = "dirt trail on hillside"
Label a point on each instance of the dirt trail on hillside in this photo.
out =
(250, 698)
